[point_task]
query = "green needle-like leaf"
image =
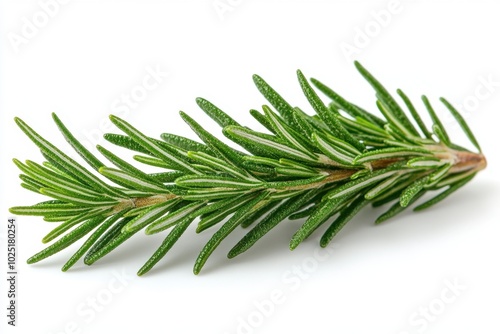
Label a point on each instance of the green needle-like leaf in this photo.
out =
(333, 151)
(90, 241)
(292, 137)
(184, 143)
(47, 178)
(96, 212)
(397, 208)
(273, 146)
(345, 215)
(67, 240)
(135, 181)
(111, 245)
(222, 150)
(461, 121)
(411, 191)
(173, 218)
(361, 183)
(271, 221)
(212, 181)
(333, 123)
(437, 127)
(285, 109)
(66, 162)
(451, 189)
(394, 108)
(78, 199)
(390, 153)
(77, 146)
(415, 114)
(263, 120)
(224, 231)
(47, 210)
(149, 216)
(346, 106)
(212, 194)
(167, 155)
(126, 142)
(324, 210)
(152, 161)
(125, 166)
(169, 241)
(220, 165)
(215, 113)
(219, 215)
(106, 237)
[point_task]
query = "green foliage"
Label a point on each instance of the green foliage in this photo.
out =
(323, 169)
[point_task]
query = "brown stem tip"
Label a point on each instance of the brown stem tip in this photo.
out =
(465, 161)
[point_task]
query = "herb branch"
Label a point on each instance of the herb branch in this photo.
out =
(322, 168)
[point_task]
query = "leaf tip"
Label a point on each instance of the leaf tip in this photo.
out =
(300, 75)
(183, 115)
(359, 67)
(404, 201)
(18, 121)
(142, 271)
(196, 270)
(294, 242)
(324, 242)
(90, 260)
(256, 78)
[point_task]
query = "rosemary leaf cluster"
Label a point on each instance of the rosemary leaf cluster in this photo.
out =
(322, 168)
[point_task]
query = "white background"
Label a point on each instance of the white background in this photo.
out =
(376, 279)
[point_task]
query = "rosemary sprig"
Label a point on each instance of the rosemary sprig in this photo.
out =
(322, 168)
